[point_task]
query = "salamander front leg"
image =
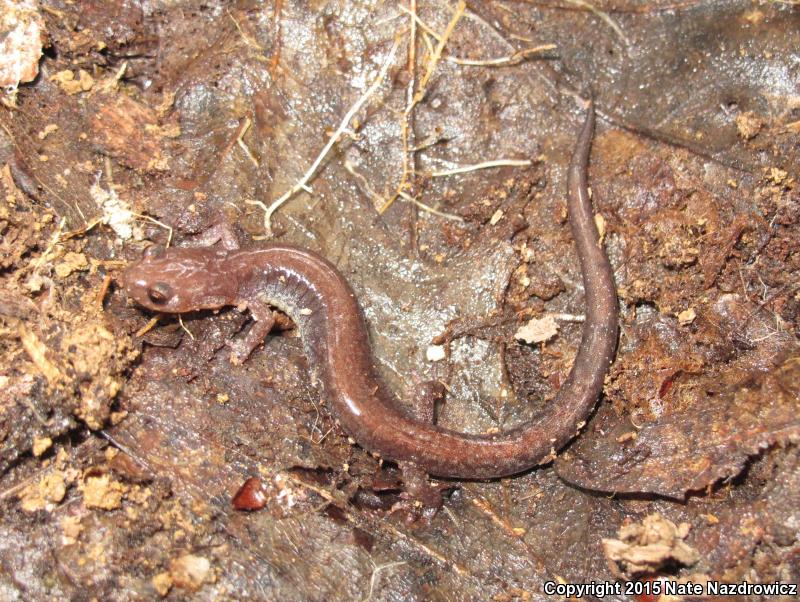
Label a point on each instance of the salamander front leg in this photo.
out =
(263, 321)
(430, 394)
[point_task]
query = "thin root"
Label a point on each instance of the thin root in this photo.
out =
(242, 145)
(429, 209)
(148, 327)
(484, 165)
(343, 127)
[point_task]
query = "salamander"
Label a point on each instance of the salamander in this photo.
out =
(331, 324)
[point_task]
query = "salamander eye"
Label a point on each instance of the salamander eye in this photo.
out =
(153, 252)
(160, 293)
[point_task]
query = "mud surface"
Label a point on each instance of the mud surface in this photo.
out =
(123, 441)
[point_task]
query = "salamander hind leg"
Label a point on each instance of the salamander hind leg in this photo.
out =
(420, 496)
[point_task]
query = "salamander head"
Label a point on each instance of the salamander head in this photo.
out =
(179, 280)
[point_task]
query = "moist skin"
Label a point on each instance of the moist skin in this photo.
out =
(320, 301)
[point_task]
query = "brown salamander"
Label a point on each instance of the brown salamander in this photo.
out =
(330, 321)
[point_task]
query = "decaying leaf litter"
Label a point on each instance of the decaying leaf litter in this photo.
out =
(101, 435)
